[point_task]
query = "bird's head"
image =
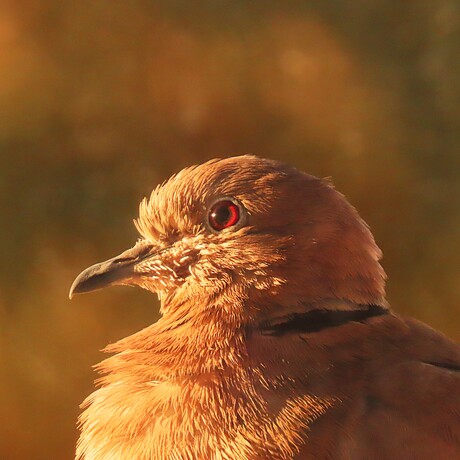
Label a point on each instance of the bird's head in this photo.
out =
(246, 228)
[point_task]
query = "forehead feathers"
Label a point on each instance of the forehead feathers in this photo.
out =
(179, 205)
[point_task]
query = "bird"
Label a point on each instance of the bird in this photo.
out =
(275, 339)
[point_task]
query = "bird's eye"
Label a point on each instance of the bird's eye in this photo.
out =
(224, 214)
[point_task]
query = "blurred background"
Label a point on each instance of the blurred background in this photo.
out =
(101, 100)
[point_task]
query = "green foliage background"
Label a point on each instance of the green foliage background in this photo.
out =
(101, 100)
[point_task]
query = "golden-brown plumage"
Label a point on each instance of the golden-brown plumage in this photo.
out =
(275, 340)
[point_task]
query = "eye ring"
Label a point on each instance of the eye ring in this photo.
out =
(225, 213)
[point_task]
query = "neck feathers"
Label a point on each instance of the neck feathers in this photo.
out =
(179, 389)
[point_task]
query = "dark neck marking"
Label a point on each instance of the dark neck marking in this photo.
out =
(447, 366)
(317, 320)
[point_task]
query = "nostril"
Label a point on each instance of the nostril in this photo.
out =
(133, 255)
(121, 260)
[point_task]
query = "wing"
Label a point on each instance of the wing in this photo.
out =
(395, 383)
(412, 409)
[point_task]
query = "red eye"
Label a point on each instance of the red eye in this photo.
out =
(224, 214)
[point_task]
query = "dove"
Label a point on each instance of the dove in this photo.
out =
(275, 339)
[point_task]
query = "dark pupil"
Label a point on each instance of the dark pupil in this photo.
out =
(222, 214)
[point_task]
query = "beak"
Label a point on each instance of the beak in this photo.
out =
(118, 270)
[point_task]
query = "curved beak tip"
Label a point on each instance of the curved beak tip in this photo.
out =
(72, 290)
(78, 286)
(118, 270)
